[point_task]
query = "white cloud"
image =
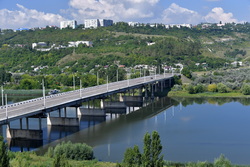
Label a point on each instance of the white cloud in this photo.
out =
(118, 10)
(218, 14)
(27, 18)
(175, 14)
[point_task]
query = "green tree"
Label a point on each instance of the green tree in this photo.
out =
(146, 157)
(222, 161)
(222, 88)
(156, 149)
(245, 89)
(132, 157)
(4, 158)
(186, 71)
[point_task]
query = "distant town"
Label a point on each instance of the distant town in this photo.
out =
(95, 23)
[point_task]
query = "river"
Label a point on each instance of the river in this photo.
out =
(190, 130)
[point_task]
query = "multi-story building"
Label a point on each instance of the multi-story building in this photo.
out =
(94, 23)
(72, 24)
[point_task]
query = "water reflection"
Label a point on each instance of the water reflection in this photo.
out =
(213, 100)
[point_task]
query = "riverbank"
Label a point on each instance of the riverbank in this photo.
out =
(207, 94)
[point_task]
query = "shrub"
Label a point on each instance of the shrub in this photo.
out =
(245, 89)
(199, 88)
(212, 88)
(78, 151)
(222, 161)
(191, 89)
(176, 88)
(222, 88)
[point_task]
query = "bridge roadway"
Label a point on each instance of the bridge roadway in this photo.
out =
(54, 102)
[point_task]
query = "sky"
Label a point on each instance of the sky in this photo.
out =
(40, 13)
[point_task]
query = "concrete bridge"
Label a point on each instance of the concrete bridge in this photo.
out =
(41, 107)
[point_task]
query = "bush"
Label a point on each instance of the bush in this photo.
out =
(199, 88)
(191, 89)
(212, 88)
(245, 89)
(176, 88)
(76, 151)
(222, 161)
(222, 88)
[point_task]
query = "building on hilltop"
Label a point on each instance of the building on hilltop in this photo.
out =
(94, 23)
(77, 43)
(72, 24)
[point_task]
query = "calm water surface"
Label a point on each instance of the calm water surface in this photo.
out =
(190, 130)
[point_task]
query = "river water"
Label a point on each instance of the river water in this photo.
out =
(190, 130)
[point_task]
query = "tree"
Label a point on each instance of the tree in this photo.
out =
(156, 149)
(212, 88)
(4, 158)
(151, 153)
(132, 157)
(185, 71)
(146, 157)
(245, 89)
(222, 161)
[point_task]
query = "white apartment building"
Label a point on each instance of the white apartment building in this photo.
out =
(94, 23)
(65, 24)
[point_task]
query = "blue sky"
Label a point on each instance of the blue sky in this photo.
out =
(39, 13)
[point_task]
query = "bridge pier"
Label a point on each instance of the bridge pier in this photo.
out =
(27, 133)
(152, 91)
(91, 112)
(115, 107)
(62, 121)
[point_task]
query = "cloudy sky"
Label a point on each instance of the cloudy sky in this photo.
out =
(39, 13)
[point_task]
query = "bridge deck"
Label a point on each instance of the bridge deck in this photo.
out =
(52, 102)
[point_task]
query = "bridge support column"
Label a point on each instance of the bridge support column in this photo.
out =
(152, 91)
(1, 130)
(24, 133)
(161, 86)
(140, 91)
(91, 112)
(62, 121)
(146, 91)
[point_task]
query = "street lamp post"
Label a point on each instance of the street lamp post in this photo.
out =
(117, 78)
(107, 83)
(155, 73)
(97, 78)
(144, 75)
(6, 106)
(43, 94)
(74, 82)
(80, 88)
(2, 97)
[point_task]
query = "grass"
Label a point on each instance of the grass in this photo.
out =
(206, 94)
(33, 160)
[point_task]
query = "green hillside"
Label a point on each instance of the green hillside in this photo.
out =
(197, 49)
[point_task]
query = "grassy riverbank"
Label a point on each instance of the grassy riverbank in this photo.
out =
(207, 94)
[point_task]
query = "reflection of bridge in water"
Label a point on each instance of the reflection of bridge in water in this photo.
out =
(41, 108)
(101, 133)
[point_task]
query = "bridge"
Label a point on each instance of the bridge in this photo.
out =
(42, 106)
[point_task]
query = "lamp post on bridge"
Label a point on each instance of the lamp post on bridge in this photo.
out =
(43, 94)
(2, 96)
(6, 101)
(107, 83)
(97, 78)
(80, 88)
(74, 82)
